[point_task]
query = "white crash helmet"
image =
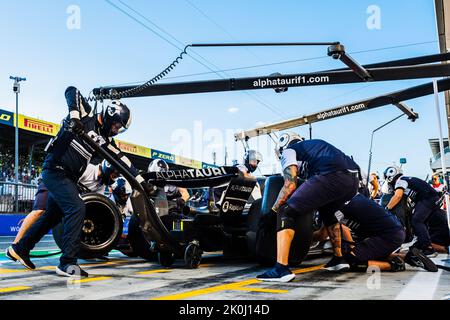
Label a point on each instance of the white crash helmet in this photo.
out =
(285, 140)
(392, 173)
(158, 165)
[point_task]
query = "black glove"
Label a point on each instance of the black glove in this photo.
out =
(150, 189)
(180, 203)
(76, 126)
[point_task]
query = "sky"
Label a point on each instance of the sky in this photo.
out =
(91, 44)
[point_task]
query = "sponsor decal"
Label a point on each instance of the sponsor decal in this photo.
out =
(190, 174)
(207, 165)
(10, 224)
(156, 154)
(241, 188)
(40, 126)
(98, 139)
(133, 149)
(340, 111)
(297, 80)
(226, 206)
(6, 117)
(188, 162)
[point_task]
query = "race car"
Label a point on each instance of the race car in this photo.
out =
(231, 229)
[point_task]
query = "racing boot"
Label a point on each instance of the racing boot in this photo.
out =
(417, 258)
(14, 254)
(279, 273)
(397, 264)
(72, 270)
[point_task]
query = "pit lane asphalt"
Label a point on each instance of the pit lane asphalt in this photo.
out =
(217, 278)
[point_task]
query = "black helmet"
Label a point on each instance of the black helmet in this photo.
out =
(107, 171)
(116, 118)
(121, 191)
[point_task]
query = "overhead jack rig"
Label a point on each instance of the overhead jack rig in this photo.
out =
(411, 68)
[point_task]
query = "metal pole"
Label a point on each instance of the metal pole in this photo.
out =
(16, 89)
(371, 143)
(370, 159)
(16, 152)
(441, 147)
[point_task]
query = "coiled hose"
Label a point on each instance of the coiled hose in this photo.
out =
(127, 93)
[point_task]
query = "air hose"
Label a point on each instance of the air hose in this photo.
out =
(124, 94)
(45, 255)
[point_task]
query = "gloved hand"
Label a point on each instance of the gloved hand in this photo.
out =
(150, 189)
(180, 203)
(76, 126)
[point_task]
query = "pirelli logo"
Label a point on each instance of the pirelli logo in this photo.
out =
(38, 126)
(127, 148)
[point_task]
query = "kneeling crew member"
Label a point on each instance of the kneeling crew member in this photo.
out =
(379, 233)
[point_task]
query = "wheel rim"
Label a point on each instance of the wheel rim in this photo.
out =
(100, 226)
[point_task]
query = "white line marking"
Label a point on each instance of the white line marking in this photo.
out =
(421, 287)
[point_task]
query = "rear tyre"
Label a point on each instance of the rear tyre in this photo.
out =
(138, 243)
(192, 256)
(102, 227)
(166, 259)
(266, 242)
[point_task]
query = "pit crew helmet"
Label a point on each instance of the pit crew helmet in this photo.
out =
(252, 158)
(158, 165)
(115, 119)
(392, 173)
(107, 171)
(121, 191)
(286, 139)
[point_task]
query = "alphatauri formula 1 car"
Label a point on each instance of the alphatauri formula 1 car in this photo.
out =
(154, 231)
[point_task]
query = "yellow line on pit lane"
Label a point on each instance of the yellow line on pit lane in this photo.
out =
(13, 289)
(107, 263)
(310, 269)
(261, 290)
(4, 271)
(89, 279)
(154, 271)
(228, 287)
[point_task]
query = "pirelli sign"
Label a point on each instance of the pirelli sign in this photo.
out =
(40, 126)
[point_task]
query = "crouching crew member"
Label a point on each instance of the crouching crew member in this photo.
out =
(426, 201)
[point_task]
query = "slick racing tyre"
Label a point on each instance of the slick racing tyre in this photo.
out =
(101, 229)
(138, 243)
(266, 240)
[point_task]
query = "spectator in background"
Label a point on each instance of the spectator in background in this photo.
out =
(436, 183)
